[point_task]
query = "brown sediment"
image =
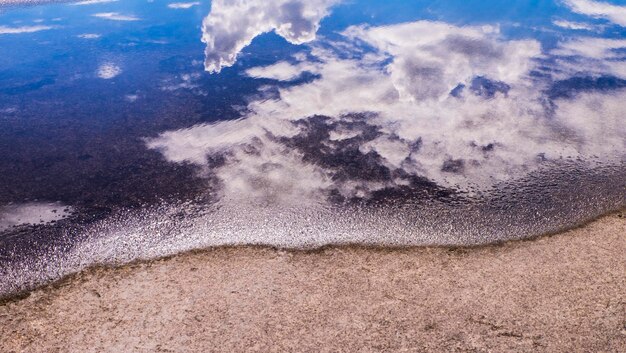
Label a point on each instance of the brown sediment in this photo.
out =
(564, 292)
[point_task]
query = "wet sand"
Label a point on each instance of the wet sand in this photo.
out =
(561, 293)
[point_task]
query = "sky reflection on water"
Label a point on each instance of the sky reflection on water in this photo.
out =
(303, 123)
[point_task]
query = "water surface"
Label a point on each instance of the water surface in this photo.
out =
(136, 129)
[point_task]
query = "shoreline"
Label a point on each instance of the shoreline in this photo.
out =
(17, 296)
(499, 293)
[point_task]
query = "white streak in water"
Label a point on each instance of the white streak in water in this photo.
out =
(115, 16)
(24, 29)
(108, 71)
(31, 213)
(183, 5)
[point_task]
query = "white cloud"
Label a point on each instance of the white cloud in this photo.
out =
(573, 25)
(114, 16)
(496, 128)
(183, 81)
(193, 144)
(282, 71)
(445, 55)
(598, 9)
(92, 2)
(89, 36)
(108, 71)
(393, 151)
(232, 25)
(24, 29)
(597, 122)
(591, 47)
(183, 5)
(272, 174)
(591, 55)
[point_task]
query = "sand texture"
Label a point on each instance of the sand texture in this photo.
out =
(562, 293)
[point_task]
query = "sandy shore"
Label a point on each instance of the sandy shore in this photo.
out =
(563, 293)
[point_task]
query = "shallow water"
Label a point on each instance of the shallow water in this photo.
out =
(159, 127)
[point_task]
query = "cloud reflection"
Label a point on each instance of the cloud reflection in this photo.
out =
(92, 2)
(114, 16)
(599, 9)
(108, 71)
(183, 5)
(233, 24)
(459, 106)
(31, 214)
(24, 29)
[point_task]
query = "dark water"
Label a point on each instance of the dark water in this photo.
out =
(138, 129)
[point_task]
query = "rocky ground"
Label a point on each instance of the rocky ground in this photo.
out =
(561, 293)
